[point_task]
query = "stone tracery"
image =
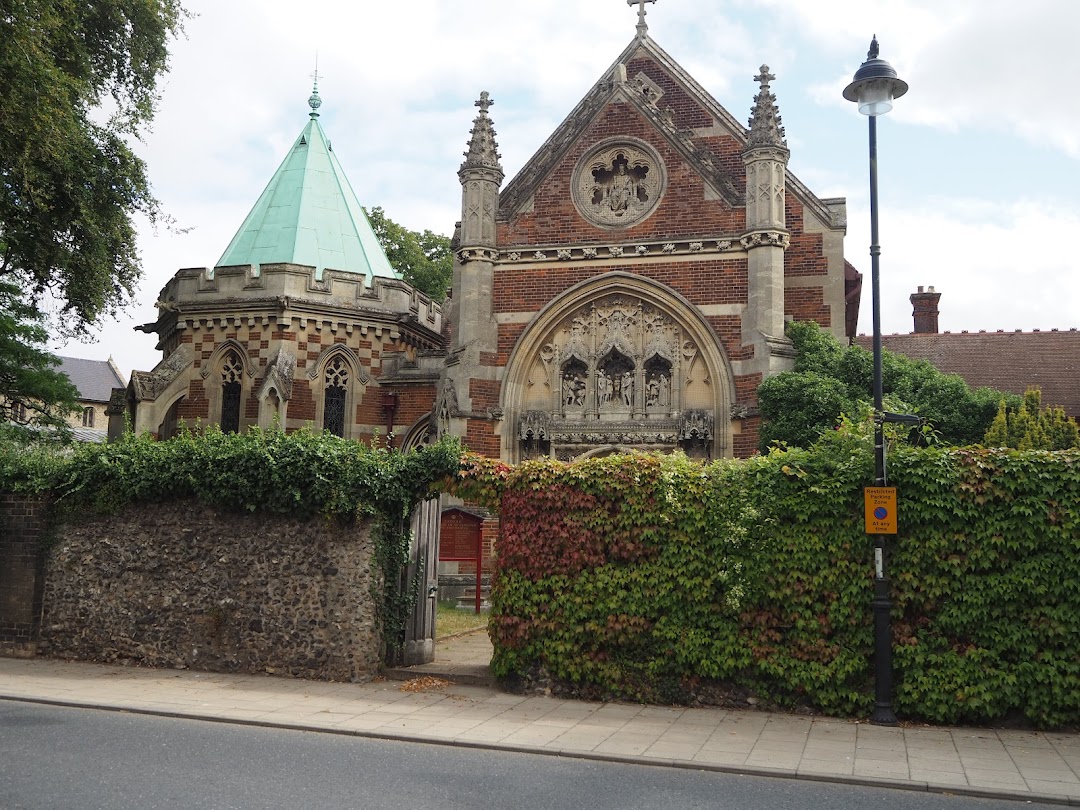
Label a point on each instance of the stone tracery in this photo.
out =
(617, 370)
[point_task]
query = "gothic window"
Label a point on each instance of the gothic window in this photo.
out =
(88, 417)
(232, 370)
(337, 380)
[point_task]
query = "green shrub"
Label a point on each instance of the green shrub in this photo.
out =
(641, 576)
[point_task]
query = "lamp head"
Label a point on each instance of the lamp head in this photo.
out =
(875, 84)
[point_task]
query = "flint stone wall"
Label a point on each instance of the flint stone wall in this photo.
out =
(182, 585)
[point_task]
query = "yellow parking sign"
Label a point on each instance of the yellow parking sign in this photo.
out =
(880, 510)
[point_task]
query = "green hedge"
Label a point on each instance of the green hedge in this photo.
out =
(647, 578)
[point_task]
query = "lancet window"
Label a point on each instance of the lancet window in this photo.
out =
(336, 379)
(232, 371)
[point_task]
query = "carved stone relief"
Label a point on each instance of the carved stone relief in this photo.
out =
(618, 184)
(617, 371)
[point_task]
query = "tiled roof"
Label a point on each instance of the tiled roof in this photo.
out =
(95, 379)
(1008, 361)
(309, 215)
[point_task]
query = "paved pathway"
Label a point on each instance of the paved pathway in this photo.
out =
(1025, 765)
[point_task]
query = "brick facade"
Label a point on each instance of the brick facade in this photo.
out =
(694, 256)
(22, 533)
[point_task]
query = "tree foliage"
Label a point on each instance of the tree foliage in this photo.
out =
(423, 259)
(78, 79)
(32, 392)
(1029, 426)
(829, 379)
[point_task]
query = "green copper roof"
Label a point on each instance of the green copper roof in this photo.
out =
(309, 215)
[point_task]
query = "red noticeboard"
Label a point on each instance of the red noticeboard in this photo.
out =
(460, 541)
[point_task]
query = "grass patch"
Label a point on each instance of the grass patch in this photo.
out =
(449, 621)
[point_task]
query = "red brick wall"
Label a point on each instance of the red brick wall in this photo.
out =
(707, 281)
(807, 304)
(683, 210)
(688, 113)
(745, 444)
(22, 525)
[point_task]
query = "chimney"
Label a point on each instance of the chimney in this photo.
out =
(924, 307)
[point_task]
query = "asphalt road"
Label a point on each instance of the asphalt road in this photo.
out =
(57, 758)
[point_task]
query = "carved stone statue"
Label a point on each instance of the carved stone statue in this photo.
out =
(604, 386)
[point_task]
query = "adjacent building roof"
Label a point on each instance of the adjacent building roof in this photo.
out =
(1007, 361)
(309, 215)
(95, 379)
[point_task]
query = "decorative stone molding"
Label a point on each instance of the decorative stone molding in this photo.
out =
(535, 425)
(647, 89)
(765, 238)
(149, 385)
(220, 350)
(592, 252)
(477, 254)
(279, 374)
(446, 407)
(696, 425)
(618, 183)
(339, 349)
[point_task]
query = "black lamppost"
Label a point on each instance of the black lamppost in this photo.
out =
(874, 87)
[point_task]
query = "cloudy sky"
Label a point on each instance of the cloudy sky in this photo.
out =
(979, 163)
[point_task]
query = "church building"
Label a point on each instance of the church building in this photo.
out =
(627, 289)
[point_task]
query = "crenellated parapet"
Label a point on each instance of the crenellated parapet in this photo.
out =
(291, 290)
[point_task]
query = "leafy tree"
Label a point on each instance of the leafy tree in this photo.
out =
(424, 259)
(78, 80)
(1029, 426)
(799, 406)
(32, 392)
(829, 379)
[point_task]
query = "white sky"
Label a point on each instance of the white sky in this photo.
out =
(979, 163)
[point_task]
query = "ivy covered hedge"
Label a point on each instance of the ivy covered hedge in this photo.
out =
(652, 578)
(302, 474)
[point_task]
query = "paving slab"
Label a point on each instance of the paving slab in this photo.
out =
(1024, 765)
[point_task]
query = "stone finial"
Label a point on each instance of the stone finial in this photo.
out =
(642, 28)
(313, 100)
(765, 128)
(483, 151)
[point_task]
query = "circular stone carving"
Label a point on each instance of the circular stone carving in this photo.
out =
(618, 184)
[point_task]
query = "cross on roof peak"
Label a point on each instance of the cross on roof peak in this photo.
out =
(641, 26)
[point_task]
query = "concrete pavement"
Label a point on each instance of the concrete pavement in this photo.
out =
(1024, 765)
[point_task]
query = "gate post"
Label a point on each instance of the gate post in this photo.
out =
(423, 557)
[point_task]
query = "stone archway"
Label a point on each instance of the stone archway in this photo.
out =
(619, 360)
